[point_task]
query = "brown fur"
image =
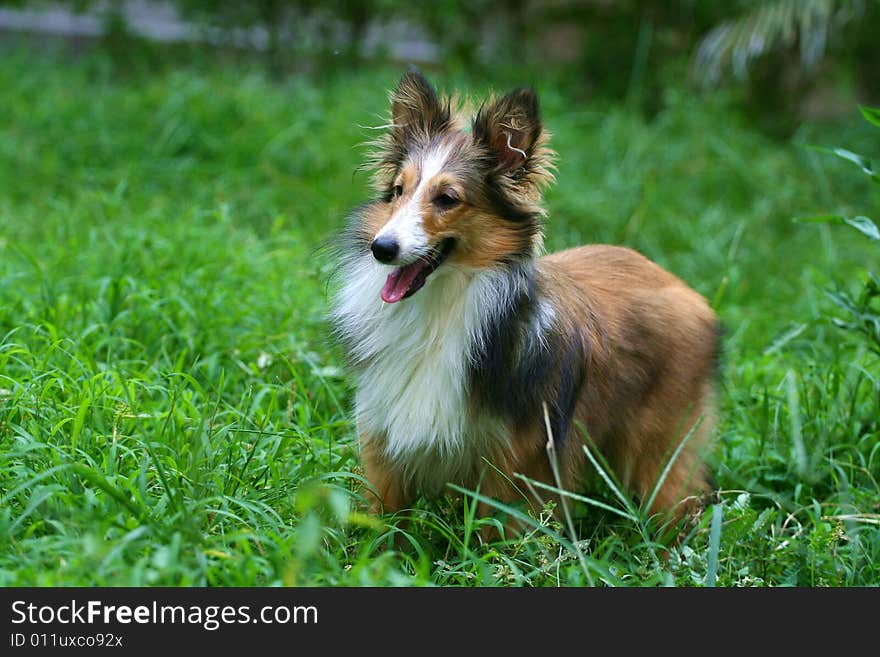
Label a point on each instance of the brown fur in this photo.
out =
(652, 346)
(649, 375)
(649, 342)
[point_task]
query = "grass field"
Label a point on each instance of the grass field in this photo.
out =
(172, 411)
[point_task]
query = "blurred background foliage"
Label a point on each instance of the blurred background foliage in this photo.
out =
(787, 60)
(168, 168)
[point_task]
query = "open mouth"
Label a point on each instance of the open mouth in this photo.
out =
(405, 281)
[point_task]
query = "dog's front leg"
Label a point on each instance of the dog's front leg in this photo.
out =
(387, 493)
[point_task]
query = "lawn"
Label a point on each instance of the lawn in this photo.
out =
(173, 412)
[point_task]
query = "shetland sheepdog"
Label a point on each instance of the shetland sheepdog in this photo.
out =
(473, 353)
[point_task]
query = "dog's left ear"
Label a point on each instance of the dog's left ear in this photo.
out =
(510, 127)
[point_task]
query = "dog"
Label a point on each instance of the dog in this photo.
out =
(474, 354)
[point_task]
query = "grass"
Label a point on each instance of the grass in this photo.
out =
(172, 412)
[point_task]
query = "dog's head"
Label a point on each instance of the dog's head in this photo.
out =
(455, 188)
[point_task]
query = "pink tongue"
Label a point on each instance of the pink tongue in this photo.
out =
(398, 281)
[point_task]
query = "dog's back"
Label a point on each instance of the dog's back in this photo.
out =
(653, 346)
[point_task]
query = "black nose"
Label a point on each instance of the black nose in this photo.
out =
(385, 249)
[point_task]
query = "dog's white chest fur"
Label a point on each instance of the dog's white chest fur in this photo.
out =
(413, 388)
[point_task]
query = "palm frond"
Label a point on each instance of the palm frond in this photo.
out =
(770, 25)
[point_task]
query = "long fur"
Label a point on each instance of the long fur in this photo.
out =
(456, 375)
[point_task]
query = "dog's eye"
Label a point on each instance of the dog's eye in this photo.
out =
(446, 200)
(397, 191)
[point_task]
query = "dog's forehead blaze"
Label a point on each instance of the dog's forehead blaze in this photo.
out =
(434, 159)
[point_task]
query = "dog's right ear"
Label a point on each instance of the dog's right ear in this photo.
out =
(416, 111)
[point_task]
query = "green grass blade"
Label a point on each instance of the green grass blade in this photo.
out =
(579, 498)
(794, 413)
(607, 478)
(863, 163)
(669, 463)
(865, 226)
(871, 114)
(714, 545)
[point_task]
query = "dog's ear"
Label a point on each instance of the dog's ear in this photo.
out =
(510, 127)
(416, 111)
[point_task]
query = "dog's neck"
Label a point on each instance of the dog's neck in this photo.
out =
(420, 360)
